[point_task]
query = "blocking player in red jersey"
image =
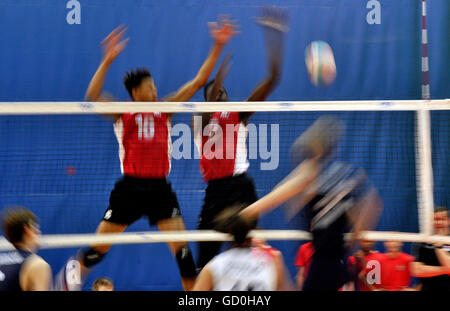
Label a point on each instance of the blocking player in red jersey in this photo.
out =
(365, 266)
(221, 138)
(396, 268)
(144, 149)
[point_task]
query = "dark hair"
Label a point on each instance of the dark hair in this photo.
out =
(441, 209)
(230, 221)
(134, 78)
(209, 86)
(14, 219)
(102, 282)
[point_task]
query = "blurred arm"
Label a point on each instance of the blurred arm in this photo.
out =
(300, 277)
(204, 281)
(298, 180)
(366, 214)
(221, 36)
(274, 23)
(419, 269)
(112, 46)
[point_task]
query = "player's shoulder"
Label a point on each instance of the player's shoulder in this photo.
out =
(34, 264)
(221, 257)
(383, 256)
(37, 261)
(306, 247)
(376, 255)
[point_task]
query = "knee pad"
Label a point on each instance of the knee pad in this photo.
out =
(90, 257)
(186, 263)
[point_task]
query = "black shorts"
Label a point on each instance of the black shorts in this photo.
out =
(223, 193)
(133, 198)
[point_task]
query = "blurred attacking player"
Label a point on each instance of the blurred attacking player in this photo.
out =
(221, 137)
(337, 197)
(144, 141)
(22, 269)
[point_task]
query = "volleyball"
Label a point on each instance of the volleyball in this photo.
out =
(319, 59)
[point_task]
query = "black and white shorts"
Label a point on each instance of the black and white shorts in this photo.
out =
(133, 198)
(223, 193)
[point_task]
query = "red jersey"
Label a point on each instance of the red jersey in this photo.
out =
(395, 273)
(372, 270)
(144, 144)
(303, 258)
(222, 145)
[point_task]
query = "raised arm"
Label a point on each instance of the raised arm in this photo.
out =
(112, 46)
(222, 33)
(213, 94)
(274, 23)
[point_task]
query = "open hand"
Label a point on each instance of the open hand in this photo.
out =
(223, 30)
(113, 44)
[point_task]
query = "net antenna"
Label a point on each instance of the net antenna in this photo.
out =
(424, 173)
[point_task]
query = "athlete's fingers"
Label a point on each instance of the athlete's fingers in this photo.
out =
(113, 34)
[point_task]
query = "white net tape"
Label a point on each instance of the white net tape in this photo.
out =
(16, 108)
(77, 240)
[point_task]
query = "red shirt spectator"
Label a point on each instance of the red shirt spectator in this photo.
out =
(395, 268)
(371, 263)
(303, 260)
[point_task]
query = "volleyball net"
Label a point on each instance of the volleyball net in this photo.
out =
(61, 160)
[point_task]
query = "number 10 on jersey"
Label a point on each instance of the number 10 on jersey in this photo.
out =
(146, 126)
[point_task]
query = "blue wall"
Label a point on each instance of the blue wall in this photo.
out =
(63, 167)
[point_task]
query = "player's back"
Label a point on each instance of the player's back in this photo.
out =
(336, 189)
(243, 269)
(10, 265)
(223, 146)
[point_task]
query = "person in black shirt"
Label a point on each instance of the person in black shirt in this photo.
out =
(21, 269)
(431, 265)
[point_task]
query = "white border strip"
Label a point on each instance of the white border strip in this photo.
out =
(29, 108)
(424, 172)
(78, 240)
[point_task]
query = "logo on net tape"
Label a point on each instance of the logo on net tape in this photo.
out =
(386, 104)
(189, 106)
(286, 105)
(86, 106)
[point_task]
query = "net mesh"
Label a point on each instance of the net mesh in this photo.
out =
(63, 164)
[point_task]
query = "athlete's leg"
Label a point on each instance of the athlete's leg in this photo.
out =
(181, 251)
(107, 227)
(206, 250)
